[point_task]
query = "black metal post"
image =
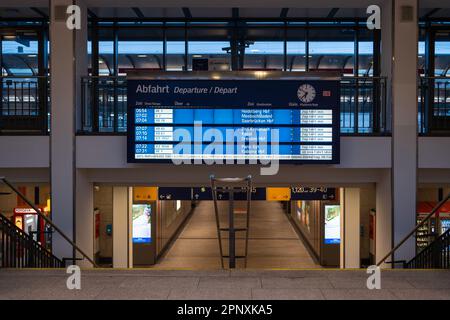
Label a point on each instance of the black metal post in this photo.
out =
(164, 58)
(307, 48)
(428, 115)
(356, 75)
(285, 62)
(376, 92)
(186, 47)
(94, 81)
(232, 232)
(42, 81)
(1, 82)
(115, 75)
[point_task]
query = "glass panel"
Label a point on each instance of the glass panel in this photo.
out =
(263, 48)
(175, 49)
(442, 54)
(20, 53)
(365, 44)
(212, 44)
(140, 49)
(296, 50)
(332, 50)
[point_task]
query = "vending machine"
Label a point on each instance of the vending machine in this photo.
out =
(434, 227)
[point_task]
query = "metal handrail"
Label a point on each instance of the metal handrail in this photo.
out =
(43, 252)
(23, 76)
(433, 248)
(413, 231)
(435, 77)
(47, 220)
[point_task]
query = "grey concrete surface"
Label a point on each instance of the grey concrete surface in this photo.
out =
(224, 284)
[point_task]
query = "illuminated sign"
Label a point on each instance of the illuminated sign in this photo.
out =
(332, 219)
(142, 223)
(293, 121)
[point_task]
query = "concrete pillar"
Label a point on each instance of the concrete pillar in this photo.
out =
(120, 227)
(62, 127)
(383, 221)
(350, 238)
(68, 55)
(84, 216)
(404, 133)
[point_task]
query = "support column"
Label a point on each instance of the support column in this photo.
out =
(404, 133)
(350, 240)
(66, 47)
(383, 218)
(84, 216)
(120, 227)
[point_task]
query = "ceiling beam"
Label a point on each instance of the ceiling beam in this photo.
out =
(235, 13)
(430, 13)
(39, 12)
(284, 13)
(92, 14)
(332, 13)
(138, 12)
(187, 13)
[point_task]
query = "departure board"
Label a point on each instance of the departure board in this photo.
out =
(294, 121)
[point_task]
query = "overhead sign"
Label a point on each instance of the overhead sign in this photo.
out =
(294, 121)
(278, 194)
(174, 193)
(257, 194)
(204, 193)
(313, 193)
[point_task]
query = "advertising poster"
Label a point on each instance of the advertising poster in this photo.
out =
(142, 223)
(332, 224)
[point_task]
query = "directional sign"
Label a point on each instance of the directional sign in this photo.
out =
(278, 194)
(204, 194)
(313, 193)
(174, 193)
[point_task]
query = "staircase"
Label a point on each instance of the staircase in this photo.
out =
(435, 256)
(20, 250)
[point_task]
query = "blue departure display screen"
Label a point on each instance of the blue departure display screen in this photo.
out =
(288, 120)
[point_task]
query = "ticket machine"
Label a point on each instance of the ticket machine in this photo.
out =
(31, 223)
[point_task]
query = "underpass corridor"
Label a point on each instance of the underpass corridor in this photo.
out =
(273, 242)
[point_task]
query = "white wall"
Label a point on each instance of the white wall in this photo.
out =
(434, 152)
(111, 152)
(24, 152)
(120, 227)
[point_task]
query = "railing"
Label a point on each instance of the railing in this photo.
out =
(50, 223)
(20, 250)
(434, 105)
(363, 105)
(434, 256)
(433, 212)
(24, 104)
(104, 106)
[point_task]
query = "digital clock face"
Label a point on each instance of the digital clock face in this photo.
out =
(306, 93)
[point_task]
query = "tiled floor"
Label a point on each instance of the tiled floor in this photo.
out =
(273, 243)
(224, 285)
